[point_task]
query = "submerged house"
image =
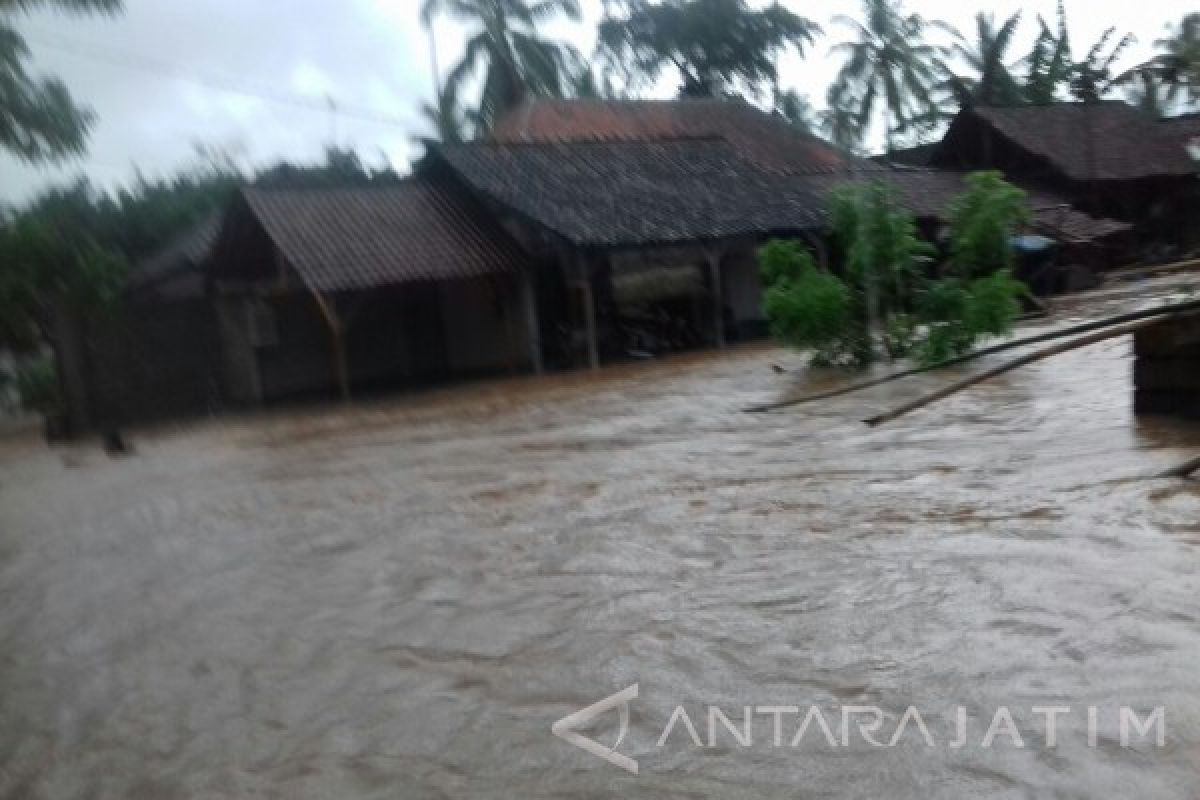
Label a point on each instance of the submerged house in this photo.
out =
(1106, 158)
(579, 231)
(327, 289)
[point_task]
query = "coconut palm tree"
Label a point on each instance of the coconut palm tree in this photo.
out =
(448, 121)
(515, 61)
(1177, 66)
(1148, 93)
(990, 82)
(1092, 78)
(795, 108)
(717, 47)
(1049, 62)
(889, 69)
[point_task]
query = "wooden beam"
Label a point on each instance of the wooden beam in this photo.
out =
(1133, 316)
(589, 316)
(533, 325)
(337, 337)
(1183, 470)
(713, 257)
(1038, 355)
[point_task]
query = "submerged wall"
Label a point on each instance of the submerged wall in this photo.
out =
(1167, 368)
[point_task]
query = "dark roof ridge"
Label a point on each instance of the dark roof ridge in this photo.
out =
(595, 140)
(400, 183)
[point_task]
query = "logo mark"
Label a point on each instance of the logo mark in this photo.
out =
(567, 728)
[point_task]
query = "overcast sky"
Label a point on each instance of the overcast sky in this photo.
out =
(161, 75)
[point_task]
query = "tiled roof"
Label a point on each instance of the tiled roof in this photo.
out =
(1125, 143)
(618, 193)
(931, 194)
(1183, 130)
(764, 139)
(1068, 225)
(343, 239)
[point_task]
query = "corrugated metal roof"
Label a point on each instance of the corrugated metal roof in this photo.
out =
(418, 230)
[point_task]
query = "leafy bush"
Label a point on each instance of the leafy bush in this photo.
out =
(806, 307)
(982, 223)
(884, 276)
(37, 387)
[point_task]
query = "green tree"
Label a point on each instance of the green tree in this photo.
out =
(449, 122)
(56, 251)
(883, 264)
(1049, 63)
(1148, 93)
(340, 168)
(796, 109)
(717, 47)
(978, 295)
(1093, 78)
(1177, 65)
(889, 70)
(38, 119)
(590, 84)
(982, 222)
(884, 260)
(990, 81)
(840, 126)
(1053, 69)
(515, 60)
(806, 307)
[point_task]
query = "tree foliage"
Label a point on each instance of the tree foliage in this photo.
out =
(1049, 62)
(989, 80)
(506, 48)
(1053, 70)
(1094, 77)
(75, 245)
(716, 47)
(449, 122)
(982, 223)
(806, 307)
(889, 71)
(796, 109)
(977, 296)
(39, 121)
(58, 250)
(1147, 92)
(882, 255)
(1175, 70)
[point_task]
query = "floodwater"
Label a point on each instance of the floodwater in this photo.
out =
(398, 599)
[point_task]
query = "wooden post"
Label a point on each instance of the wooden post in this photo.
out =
(718, 301)
(533, 324)
(71, 364)
(337, 338)
(581, 279)
(589, 314)
(819, 247)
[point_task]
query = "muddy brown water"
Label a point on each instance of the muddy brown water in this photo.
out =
(397, 600)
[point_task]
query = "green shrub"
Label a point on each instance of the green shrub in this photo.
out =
(806, 307)
(884, 267)
(982, 223)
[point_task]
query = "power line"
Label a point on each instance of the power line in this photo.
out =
(164, 69)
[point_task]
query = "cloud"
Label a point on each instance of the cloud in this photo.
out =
(162, 77)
